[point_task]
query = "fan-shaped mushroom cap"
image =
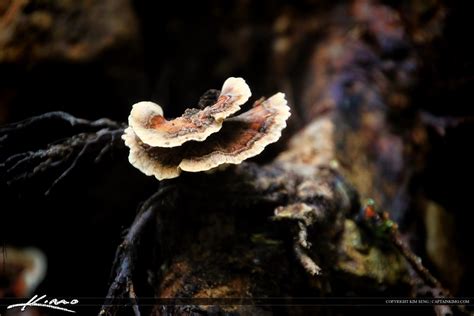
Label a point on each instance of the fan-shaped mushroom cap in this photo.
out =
(147, 121)
(240, 137)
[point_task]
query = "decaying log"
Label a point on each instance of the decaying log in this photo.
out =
(357, 90)
(299, 213)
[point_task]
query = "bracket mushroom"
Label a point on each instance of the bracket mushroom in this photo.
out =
(147, 120)
(238, 138)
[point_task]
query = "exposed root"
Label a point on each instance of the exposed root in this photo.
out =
(93, 138)
(126, 256)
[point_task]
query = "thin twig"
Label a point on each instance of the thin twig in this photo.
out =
(415, 262)
(26, 165)
(62, 117)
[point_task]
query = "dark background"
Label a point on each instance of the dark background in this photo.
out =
(171, 53)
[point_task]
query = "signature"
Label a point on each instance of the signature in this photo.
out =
(41, 301)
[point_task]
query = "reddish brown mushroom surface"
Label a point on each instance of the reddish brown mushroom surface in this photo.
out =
(237, 139)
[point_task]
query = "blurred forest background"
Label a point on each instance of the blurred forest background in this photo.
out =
(94, 59)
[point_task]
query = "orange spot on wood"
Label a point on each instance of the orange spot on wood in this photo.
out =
(369, 212)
